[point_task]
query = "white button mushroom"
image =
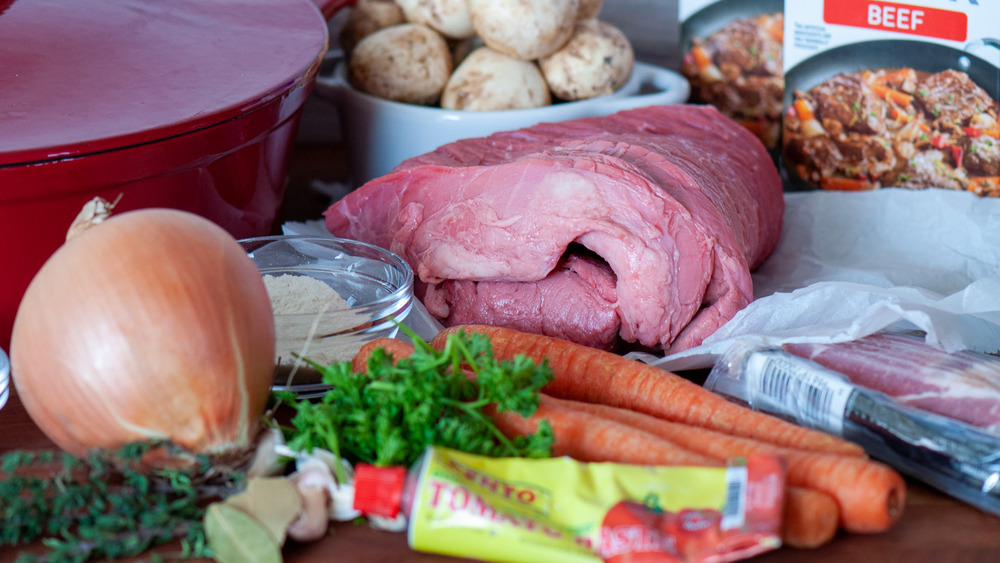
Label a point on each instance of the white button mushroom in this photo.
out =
(524, 29)
(367, 17)
(408, 63)
(448, 17)
(487, 80)
(597, 60)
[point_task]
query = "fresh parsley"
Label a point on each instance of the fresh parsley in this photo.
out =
(401, 406)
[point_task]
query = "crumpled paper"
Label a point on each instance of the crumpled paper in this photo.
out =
(850, 264)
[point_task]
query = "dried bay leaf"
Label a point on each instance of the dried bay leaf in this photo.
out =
(272, 501)
(236, 537)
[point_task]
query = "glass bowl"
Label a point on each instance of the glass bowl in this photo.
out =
(372, 291)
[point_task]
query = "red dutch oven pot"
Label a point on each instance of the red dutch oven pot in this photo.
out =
(189, 104)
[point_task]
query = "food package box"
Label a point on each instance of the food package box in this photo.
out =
(892, 94)
(731, 55)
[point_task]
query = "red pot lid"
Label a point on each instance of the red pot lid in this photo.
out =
(86, 76)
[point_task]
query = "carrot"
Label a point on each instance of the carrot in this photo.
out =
(803, 110)
(594, 376)
(894, 96)
(984, 184)
(845, 184)
(977, 131)
(701, 57)
(810, 516)
(397, 348)
(870, 495)
(774, 26)
(587, 437)
(896, 77)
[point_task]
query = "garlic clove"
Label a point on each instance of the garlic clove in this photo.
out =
(267, 461)
(397, 524)
(341, 507)
(312, 523)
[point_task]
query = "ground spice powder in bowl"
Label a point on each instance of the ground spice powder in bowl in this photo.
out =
(291, 295)
(330, 296)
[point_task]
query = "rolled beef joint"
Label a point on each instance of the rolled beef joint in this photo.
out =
(638, 227)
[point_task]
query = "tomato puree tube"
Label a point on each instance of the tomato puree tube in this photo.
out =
(561, 510)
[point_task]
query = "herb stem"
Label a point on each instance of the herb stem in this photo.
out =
(473, 409)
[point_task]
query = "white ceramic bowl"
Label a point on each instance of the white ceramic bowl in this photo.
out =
(380, 133)
(376, 284)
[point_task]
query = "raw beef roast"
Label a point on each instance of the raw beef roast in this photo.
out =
(641, 226)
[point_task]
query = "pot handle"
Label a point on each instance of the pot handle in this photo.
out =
(972, 46)
(331, 7)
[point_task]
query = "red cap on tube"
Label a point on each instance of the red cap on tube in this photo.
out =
(379, 490)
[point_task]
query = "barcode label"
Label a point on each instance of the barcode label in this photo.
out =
(794, 388)
(735, 510)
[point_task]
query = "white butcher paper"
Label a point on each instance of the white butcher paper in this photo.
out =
(852, 263)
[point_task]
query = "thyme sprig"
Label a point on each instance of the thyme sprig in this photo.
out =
(109, 504)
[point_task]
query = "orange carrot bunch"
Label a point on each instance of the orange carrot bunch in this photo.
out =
(604, 407)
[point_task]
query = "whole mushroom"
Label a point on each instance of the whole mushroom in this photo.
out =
(525, 29)
(448, 17)
(408, 63)
(487, 80)
(597, 60)
(367, 17)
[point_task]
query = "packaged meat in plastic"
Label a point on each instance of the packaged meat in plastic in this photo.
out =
(963, 385)
(959, 459)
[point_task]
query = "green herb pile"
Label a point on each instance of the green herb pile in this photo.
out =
(107, 506)
(101, 507)
(401, 406)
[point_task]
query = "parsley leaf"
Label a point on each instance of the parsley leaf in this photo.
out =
(392, 413)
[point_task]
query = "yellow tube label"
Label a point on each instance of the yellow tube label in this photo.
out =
(562, 510)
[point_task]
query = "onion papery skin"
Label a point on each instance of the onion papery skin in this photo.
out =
(152, 325)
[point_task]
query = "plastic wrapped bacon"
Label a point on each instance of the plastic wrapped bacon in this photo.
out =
(865, 391)
(963, 385)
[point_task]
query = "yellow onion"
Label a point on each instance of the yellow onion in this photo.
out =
(151, 325)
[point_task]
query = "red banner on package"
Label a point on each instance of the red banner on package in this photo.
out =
(899, 18)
